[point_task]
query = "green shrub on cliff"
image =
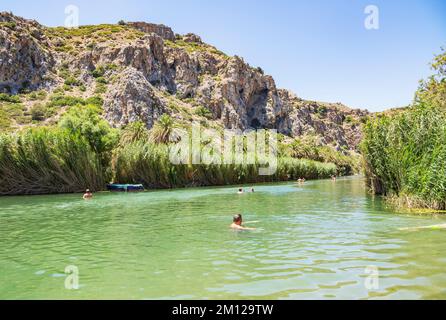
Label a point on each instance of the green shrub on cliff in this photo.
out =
(9, 98)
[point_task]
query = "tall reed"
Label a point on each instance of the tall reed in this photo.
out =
(150, 165)
(405, 156)
(48, 160)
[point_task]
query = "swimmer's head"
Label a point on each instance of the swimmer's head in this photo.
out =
(238, 219)
(240, 190)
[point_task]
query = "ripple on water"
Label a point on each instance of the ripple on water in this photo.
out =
(314, 241)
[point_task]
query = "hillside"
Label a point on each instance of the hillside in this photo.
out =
(140, 71)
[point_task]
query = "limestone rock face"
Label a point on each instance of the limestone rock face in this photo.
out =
(159, 29)
(156, 72)
(145, 55)
(132, 99)
(191, 37)
(25, 58)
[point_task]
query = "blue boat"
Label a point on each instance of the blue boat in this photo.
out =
(125, 187)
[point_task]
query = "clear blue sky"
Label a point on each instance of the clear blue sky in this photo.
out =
(319, 49)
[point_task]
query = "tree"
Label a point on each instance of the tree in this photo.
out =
(86, 121)
(134, 132)
(433, 90)
(162, 130)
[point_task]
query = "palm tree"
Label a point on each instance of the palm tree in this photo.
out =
(134, 132)
(162, 130)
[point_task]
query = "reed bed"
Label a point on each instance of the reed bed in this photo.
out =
(149, 164)
(48, 160)
(405, 157)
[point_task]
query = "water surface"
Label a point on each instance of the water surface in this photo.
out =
(317, 241)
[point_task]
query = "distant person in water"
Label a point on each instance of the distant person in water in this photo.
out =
(88, 195)
(237, 223)
(252, 190)
(240, 191)
(333, 178)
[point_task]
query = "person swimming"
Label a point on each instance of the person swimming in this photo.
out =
(88, 195)
(237, 223)
(241, 191)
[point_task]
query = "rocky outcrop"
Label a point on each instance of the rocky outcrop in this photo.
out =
(334, 123)
(240, 96)
(191, 37)
(25, 58)
(132, 99)
(159, 29)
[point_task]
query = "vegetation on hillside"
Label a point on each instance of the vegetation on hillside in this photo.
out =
(405, 152)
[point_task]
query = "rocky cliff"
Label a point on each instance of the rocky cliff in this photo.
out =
(143, 70)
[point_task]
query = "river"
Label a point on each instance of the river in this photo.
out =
(323, 240)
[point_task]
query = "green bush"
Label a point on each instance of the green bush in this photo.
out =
(204, 112)
(9, 98)
(349, 119)
(10, 25)
(102, 69)
(59, 100)
(98, 72)
(39, 112)
(87, 122)
(37, 95)
(13, 109)
(100, 88)
(101, 80)
(5, 122)
(322, 111)
(95, 100)
(72, 81)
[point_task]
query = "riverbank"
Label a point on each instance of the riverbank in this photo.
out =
(85, 152)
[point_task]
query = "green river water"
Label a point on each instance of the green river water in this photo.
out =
(318, 241)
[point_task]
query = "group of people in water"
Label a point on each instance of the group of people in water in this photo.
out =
(237, 221)
(242, 191)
